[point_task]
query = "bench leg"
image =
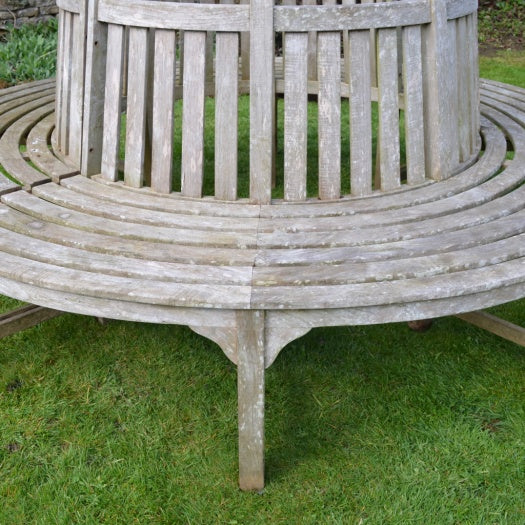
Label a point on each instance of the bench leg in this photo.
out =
(250, 374)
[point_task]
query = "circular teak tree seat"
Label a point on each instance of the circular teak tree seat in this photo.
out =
(254, 273)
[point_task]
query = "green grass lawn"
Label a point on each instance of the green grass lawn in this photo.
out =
(131, 423)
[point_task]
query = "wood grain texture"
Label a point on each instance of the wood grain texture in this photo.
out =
(329, 115)
(193, 113)
(350, 17)
(112, 103)
(262, 100)
(413, 98)
(136, 107)
(170, 15)
(388, 109)
(163, 101)
(95, 77)
(500, 327)
(226, 115)
(250, 388)
(360, 114)
(295, 116)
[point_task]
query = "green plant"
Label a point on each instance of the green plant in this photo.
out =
(28, 53)
(502, 23)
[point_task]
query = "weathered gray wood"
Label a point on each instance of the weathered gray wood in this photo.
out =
(170, 15)
(24, 317)
(245, 50)
(360, 114)
(413, 98)
(59, 68)
(463, 72)
(262, 100)
(65, 77)
(250, 370)
(351, 17)
(461, 8)
(328, 70)
(452, 114)
(41, 156)
(112, 103)
(226, 115)
(437, 93)
(78, 39)
(312, 48)
(473, 81)
(193, 113)
(95, 77)
(136, 107)
(74, 6)
(388, 131)
(500, 327)
(295, 115)
(163, 100)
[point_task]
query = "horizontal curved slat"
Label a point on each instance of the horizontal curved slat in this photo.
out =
(350, 17)
(169, 15)
(459, 8)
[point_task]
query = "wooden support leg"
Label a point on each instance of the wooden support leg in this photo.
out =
(24, 317)
(250, 371)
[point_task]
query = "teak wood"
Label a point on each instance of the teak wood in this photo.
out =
(108, 213)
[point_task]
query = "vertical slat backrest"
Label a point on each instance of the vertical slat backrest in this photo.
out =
(388, 109)
(226, 114)
(453, 96)
(360, 113)
(193, 113)
(473, 81)
(436, 92)
(312, 48)
(413, 99)
(136, 107)
(95, 75)
(295, 115)
(65, 98)
(77, 87)
(162, 110)
(463, 70)
(112, 102)
(329, 112)
(262, 100)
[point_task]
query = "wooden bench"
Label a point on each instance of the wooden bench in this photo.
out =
(252, 273)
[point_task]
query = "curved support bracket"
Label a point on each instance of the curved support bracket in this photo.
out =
(276, 338)
(225, 337)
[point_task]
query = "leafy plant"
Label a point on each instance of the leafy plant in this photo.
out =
(502, 23)
(28, 53)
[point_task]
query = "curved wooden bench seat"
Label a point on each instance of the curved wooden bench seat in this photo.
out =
(101, 248)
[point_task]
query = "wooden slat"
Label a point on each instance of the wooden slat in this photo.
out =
(388, 132)
(460, 8)
(77, 88)
(463, 71)
(171, 15)
(436, 72)
(351, 17)
(112, 103)
(41, 156)
(413, 90)
(262, 100)
(193, 113)
(312, 48)
(360, 114)
(59, 68)
(226, 115)
(451, 85)
(329, 71)
(95, 78)
(250, 387)
(67, 47)
(24, 317)
(473, 80)
(136, 107)
(295, 115)
(245, 51)
(501, 327)
(163, 100)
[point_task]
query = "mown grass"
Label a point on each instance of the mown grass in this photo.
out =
(136, 423)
